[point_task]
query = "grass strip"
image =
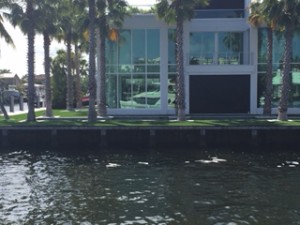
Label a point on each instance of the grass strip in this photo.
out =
(79, 118)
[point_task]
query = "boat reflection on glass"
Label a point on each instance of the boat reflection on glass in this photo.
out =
(147, 100)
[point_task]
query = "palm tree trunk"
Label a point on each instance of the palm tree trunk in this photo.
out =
(285, 86)
(30, 61)
(269, 76)
(98, 52)
(6, 117)
(102, 86)
(77, 79)
(48, 97)
(70, 92)
(180, 92)
(92, 115)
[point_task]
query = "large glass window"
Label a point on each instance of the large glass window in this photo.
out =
(138, 48)
(133, 69)
(278, 48)
(153, 91)
(217, 48)
(230, 47)
(124, 47)
(125, 90)
(138, 96)
(153, 56)
(202, 48)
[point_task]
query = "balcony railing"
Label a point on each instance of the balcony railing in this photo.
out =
(219, 13)
(221, 58)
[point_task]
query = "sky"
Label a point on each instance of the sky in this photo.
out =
(15, 59)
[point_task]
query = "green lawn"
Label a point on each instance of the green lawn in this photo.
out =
(79, 118)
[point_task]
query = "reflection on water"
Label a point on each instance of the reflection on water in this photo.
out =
(198, 187)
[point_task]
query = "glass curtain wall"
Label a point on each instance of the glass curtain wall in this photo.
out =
(133, 69)
(278, 48)
(216, 48)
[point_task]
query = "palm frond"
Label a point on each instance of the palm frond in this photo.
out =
(4, 33)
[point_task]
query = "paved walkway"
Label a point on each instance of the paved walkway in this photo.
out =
(16, 109)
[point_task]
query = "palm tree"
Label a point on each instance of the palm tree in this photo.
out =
(178, 11)
(78, 92)
(265, 13)
(2, 108)
(3, 32)
(58, 67)
(72, 18)
(46, 25)
(26, 21)
(111, 13)
(67, 12)
(80, 42)
(8, 40)
(289, 20)
(92, 116)
(30, 57)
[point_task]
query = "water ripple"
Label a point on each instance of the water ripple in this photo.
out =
(51, 188)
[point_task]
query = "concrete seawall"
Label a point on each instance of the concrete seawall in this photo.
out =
(148, 137)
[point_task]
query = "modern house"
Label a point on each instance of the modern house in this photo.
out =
(224, 59)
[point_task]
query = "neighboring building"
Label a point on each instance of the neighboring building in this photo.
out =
(40, 79)
(39, 84)
(9, 81)
(223, 64)
(39, 93)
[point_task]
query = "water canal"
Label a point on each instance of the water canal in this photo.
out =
(200, 187)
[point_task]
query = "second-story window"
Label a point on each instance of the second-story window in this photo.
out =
(216, 48)
(202, 48)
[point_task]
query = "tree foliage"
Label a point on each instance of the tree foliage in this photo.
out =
(58, 80)
(58, 67)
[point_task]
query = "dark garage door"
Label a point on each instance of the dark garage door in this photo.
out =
(220, 94)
